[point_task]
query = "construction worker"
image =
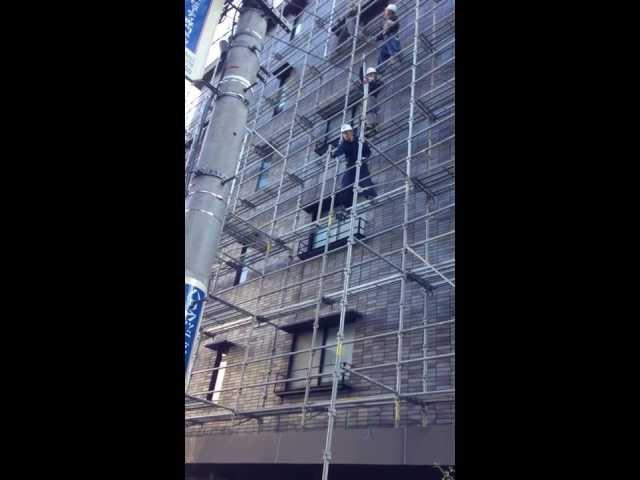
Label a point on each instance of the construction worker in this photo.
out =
(389, 35)
(375, 86)
(346, 26)
(348, 147)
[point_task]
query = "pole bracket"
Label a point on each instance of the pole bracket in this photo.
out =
(206, 192)
(209, 172)
(252, 48)
(251, 33)
(242, 98)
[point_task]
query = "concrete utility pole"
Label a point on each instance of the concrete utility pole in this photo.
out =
(197, 138)
(206, 201)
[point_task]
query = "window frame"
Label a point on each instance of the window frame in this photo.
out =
(338, 226)
(283, 73)
(216, 377)
(316, 384)
(296, 27)
(280, 105)
(242, 272)
(263, 177)
(310, 247)
(369, 11)
(372, 11)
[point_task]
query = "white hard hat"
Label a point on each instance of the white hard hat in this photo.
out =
(371, 70)
(392, 7)
(345, 128)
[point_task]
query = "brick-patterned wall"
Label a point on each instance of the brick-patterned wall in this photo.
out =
(379, 307)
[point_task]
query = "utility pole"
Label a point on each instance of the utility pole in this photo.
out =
(209, 189)
(201, 84)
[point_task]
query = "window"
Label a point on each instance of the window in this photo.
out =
(242, 271)
(283, 73)
(339, 231)
(296, 27)
(282, 104)
(323, 361)
(263, 178)
(372, 10)
(294, 7)
(331, 134)
(217, 377)
(338, 234)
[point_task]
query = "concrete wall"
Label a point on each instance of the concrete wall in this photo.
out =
(377, 446)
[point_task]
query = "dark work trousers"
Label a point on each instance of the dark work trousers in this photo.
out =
(372, 111)
(375, 87)
(388, 49)
(349, 177)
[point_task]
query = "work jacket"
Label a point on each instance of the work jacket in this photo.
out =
(390, 27)
(374, 88)
(350, 151)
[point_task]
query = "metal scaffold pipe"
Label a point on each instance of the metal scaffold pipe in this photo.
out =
(210, 187)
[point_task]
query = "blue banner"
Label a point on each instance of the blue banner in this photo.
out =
(193, 303)
(195, 13)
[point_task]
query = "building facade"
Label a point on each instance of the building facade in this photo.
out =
(328, 341)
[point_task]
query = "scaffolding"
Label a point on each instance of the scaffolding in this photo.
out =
(266, 229)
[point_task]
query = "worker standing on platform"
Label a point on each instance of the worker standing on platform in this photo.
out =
(375, 85)
(348, 147)
(389, 34)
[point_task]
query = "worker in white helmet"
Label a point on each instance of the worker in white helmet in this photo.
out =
(348, 147)
(389, 35)
(375, 86)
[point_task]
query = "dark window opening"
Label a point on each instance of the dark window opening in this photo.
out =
(331, 135)
(322, 360)
(344, 27)
(283, 73)
(271, 25)
(296, 27)
(294, 7)
(241, 271)
(263, 178)
(280, 105)
(371, 10)
(336, 235)
(217, 377)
